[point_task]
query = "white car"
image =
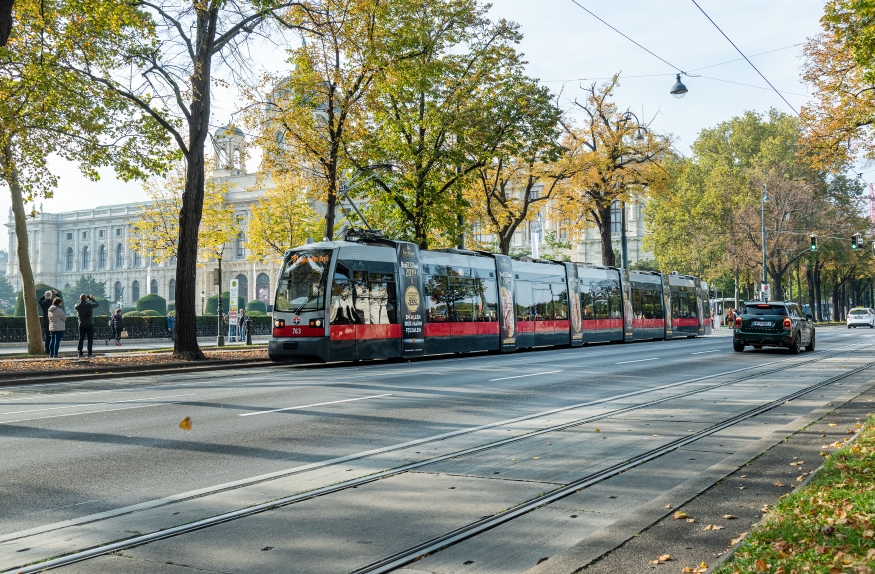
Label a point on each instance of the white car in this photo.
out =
(861, 317)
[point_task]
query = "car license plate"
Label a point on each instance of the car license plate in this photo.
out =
(761, 323)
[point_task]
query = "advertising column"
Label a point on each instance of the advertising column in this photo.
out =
(504, 266)
(410, 291)
(232, 311)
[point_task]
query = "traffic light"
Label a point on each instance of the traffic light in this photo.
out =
(854, 241)
(813, 242)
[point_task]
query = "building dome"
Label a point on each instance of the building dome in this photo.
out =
(228, 131)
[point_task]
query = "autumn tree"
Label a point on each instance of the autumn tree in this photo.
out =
(840, 67)
(617, 160)
(282, 218)
(45, 110)
(443, 111)
(310, 117)
(155, 232)
(168, 74)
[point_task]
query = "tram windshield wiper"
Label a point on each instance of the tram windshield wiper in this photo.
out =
(304, 304)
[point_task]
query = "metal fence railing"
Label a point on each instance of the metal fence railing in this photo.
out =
(157, 330)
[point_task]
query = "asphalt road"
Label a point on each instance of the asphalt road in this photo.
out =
(71, 452)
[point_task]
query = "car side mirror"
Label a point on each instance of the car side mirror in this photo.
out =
(809, 316)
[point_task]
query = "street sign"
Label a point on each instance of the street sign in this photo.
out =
(232, 312)
(764, 292)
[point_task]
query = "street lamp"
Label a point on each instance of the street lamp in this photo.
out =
(203, 301)
(679, 90)
(220, 337)
(764, 292)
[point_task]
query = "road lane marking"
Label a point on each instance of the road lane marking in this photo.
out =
(94, 404)
(313, 405)
(636, 361)
(711, 351)
(86, 413)
(521, 376)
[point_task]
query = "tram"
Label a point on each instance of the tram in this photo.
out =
(368, 297)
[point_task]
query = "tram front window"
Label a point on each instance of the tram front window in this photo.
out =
(302, 281)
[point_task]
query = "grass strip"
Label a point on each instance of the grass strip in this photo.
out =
(826, 527)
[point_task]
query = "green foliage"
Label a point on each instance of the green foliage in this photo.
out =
(152, 303)
(150, 313)
(254, 314)
(7, 293)
(256, 305)
(555, 245)
(133, 314)
(645, 265)
(87, 285)
(213, 303)
(171, 307)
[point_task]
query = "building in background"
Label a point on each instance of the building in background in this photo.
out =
(64, 246)
(4, 260)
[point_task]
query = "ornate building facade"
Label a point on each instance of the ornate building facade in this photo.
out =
(64, 246)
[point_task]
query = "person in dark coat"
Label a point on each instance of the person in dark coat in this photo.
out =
(45, 302)
(85, 309)
(117, 322)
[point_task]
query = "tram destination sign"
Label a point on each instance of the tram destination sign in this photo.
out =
(410, 293)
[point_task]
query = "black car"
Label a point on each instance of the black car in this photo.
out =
(773, 324)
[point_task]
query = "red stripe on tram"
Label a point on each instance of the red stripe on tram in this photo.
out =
(602, 324)
(364, 332)
(685, 322)
(648, 323)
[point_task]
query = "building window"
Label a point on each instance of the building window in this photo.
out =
(243, 288)
(135, 291)
(138, 259)
(240, 244)
(101, 233)
(262, 288)
(101, 257)
(117, 291)
(171, 290)
(119, 255)
(69, 259)
(616, 215)
(86, 258)
(84, 235)
(563, 228)
(153, 287)
(118, 232)
(69, 237)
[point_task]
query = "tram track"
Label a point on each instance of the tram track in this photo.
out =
(474, 528)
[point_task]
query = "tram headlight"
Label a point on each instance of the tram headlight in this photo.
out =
(279, 323)
(316, 323)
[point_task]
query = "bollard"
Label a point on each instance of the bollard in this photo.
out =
(248, 331)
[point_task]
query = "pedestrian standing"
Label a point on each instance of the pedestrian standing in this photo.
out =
(57, 325)
(241, 325)
(171, 325)
(85, 309)
(730, 319)
(117, 323)
(45, 302)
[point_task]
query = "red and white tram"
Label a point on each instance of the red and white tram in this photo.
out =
(372, 298)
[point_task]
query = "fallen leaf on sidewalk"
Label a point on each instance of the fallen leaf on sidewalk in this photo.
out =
(729, 517)
(664, 557)
(691, 520)
(713, 527)
(778, 484)
(800, 478)
(668, 505)
(679, 515)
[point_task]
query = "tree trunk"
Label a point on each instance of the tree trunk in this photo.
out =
(604, 224)
(818, 296)
(186, 345)
(331, 203)
(35, 343)
(5, 20)
(812, 305)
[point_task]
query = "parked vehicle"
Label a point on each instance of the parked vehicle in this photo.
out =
(861, 317)
(773, 324)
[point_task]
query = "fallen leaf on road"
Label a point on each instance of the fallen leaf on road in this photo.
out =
(691, 520)
(729, 517)
(778, 484)
(668, 505)
(680, 514)
(739, 538)
(800, 478)
(185, 424)
(743, 476)
(598, 429)
(713, 527)
(741, 487)
(664, 557)
(536, 457)
(832, 424)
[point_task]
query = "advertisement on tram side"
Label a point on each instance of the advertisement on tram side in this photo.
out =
(504, 265)
(576, 323)
(411, 312)
(666, 306)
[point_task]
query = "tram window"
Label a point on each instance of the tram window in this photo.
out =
(600, 304)
(361, 296)
(543, 299)
(301, 286)
(587, 305)
(523, 301)
(651, 304)
(615, 301)
(489, 300)
(382, 299)
(560, 302)
(460, 297)
(436, 299)
(683, 304)
(342, 306)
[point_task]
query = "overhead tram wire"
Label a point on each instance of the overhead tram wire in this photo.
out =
(789, 105)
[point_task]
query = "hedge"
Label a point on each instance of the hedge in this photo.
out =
(155, 303)
(13, 330)
(41, 288)
(256, 305)
(213, 302)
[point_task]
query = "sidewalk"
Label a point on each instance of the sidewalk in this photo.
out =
(69, 346)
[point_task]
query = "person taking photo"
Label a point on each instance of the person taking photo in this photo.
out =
(85, 309)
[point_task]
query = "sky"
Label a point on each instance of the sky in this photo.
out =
(568, 48)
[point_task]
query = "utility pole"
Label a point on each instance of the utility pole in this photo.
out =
(764, 293)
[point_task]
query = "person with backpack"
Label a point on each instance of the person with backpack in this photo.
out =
(57, 326)
(117, 324)
(85, 309)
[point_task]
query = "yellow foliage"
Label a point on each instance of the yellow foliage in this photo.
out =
(281, 219)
